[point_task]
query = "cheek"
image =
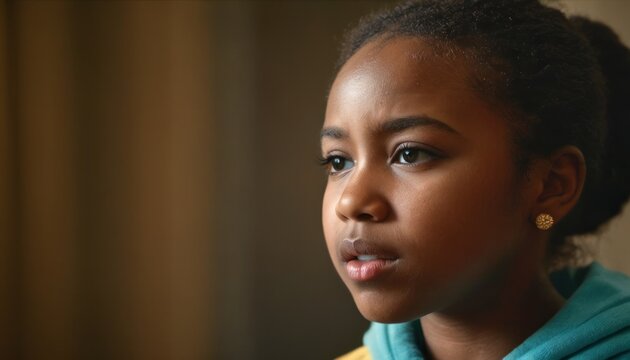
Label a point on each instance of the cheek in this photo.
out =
(461, 218)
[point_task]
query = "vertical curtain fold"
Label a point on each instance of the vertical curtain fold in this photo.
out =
(105, 185)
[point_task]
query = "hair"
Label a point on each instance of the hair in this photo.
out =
(563, 81)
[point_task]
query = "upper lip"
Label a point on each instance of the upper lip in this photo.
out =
(350, 249)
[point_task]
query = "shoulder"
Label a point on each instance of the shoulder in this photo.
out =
(361, 353)
(594, 322)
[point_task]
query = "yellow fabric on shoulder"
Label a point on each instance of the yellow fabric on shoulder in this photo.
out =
(361, 353)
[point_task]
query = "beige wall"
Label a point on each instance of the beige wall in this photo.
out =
(106, 180)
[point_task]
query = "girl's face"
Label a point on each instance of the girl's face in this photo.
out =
(424, 206)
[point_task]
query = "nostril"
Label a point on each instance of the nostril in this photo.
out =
(365, 217)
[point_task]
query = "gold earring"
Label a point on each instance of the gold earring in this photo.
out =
(544, 221)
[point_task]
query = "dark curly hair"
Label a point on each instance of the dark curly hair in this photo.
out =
(562, 81)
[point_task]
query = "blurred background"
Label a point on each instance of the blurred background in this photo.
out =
(159, 189)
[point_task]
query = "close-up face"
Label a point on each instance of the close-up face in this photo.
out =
(422, 205)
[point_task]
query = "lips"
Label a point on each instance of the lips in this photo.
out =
(363, 260)
(353, 249)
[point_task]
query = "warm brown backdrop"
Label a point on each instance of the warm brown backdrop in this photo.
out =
(159, 193)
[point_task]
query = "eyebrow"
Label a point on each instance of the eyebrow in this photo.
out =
(393, 126)
(333, 132)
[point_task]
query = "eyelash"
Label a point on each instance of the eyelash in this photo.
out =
(327, 161)
(432, 154)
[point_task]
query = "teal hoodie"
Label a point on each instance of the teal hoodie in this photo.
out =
(594, 323)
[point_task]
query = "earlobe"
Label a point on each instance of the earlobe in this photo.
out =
(561, 185)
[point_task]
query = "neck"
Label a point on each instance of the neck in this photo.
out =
(492, 322)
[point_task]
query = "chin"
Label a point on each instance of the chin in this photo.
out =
(387, 309)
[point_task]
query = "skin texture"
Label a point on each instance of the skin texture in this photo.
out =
(441, 196)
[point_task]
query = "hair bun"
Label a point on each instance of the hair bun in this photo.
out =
(605, 197)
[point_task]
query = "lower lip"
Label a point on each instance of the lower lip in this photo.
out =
(367, 270)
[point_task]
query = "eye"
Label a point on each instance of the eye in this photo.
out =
(336, 163)
(410, 155)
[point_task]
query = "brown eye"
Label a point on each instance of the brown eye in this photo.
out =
(335, 164)
(413, 155)
(338, 163)
(409, 155)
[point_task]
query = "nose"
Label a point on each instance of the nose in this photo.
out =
(363, 199)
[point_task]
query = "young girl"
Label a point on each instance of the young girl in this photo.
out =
(466, 142)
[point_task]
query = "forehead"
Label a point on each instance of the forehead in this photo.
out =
(407, 58)
(390, 75)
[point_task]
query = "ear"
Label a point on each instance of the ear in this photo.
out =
(560, 178)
